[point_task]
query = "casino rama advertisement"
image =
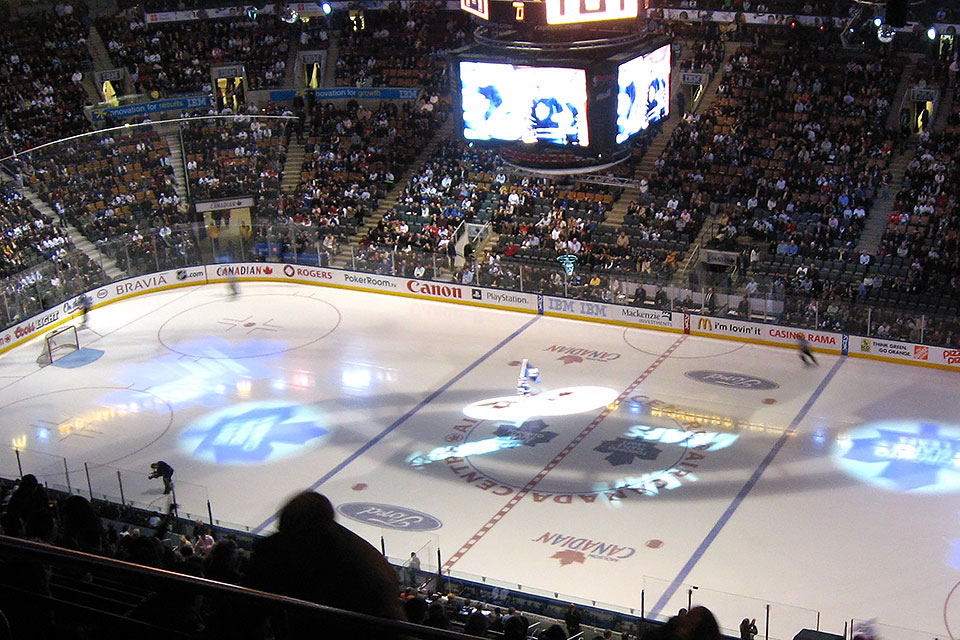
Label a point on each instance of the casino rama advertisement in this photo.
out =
(640, 317)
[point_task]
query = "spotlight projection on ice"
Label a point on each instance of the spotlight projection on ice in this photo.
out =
(557, 402)
(902, 455)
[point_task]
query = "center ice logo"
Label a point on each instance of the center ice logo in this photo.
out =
(624, 450)
(253, 432)
(640, 447)
(530, 433)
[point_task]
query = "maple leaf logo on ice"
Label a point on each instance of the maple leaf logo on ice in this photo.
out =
(570, 359)
(530, 433)
(568, 557)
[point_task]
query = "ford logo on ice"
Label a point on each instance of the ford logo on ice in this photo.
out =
(730, 379)
(385, 515)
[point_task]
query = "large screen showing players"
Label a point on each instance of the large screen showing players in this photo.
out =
(526, 104)
(643, 94)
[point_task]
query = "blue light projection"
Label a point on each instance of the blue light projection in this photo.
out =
(254, 433)
(465, 450)
(185, 381)
(919, 457)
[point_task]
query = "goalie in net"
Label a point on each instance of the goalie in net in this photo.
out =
(57, 344)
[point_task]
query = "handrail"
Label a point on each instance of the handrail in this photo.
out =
(89, 560)
(115, 618)
(127, 127)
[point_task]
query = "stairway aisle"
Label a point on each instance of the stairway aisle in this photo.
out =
(101, 62)
(172, 137)
(876, 221)
(293, 166)
(343, 258)
(79, 240)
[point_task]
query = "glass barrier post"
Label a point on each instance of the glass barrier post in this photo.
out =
(353, 259)
(123, 499)
(197, 239)
(293, 244)
(869, 322)
(86, 471)
(100, 258)
(156, 253)
(923, 326)
(66, 473)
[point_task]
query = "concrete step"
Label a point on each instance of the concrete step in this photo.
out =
(945, 109)
(79, 240)
(876, 222)
(98, 51)
(289, 72)
(330, 66)
(179, 167)
(293, 166)
(343, 258)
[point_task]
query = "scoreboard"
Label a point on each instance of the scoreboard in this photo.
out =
(560, 85)
(551, 12)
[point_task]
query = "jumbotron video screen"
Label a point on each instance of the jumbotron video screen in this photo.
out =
(518, 103)
(643, 92)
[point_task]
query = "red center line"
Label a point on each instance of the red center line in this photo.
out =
(517, 497)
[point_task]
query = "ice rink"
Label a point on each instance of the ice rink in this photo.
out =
(650, 468)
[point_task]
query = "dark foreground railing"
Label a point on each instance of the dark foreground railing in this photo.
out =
(48, 591)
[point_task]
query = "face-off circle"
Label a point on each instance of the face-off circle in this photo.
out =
(249, 326)
(89, 424)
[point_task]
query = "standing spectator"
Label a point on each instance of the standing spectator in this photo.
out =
(572, 618)
(205, 541)
(413, 565)
(748, 629)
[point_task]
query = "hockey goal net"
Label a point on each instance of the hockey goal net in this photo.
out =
(58, 344)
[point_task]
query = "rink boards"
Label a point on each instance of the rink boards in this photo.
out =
(532, 303)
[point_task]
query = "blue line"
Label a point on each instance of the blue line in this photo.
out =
(725, 517)
(409, 414)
